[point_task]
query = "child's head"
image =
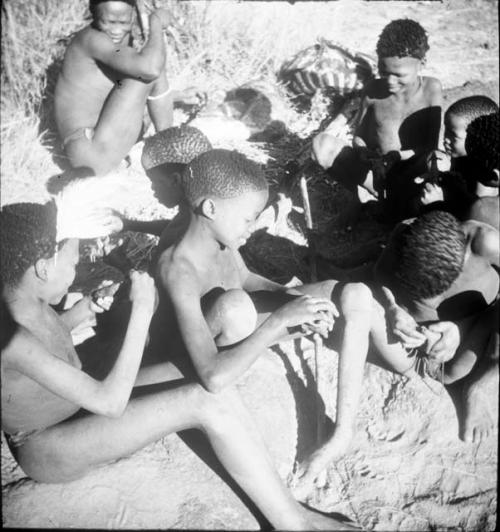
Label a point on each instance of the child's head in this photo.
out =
(458, 117)
(401, 50)
(228, 189)
(165, 156)
(113, 17)
(175, 145)
(481, 145)
(429, 255)
(28, 240)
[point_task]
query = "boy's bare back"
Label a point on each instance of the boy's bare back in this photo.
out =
(475, 287)
(83, 84)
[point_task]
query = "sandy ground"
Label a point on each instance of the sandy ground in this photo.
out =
(407, 469)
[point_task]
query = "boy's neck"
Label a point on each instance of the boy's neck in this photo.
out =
(410, 91)
(200, 237)
(24, 302)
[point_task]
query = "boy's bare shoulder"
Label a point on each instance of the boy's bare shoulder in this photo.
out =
(22, 342)
(483, 238)
(432, 85)
(177, 270)
(89, 39)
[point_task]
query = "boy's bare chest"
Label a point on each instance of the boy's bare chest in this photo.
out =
(222, 271)
(54, 335)
(394, 111)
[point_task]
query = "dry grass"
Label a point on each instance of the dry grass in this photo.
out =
(218, 46)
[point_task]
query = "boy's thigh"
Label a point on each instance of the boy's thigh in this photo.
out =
(329, 289)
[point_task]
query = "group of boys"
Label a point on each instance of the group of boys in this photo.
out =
(434, 288)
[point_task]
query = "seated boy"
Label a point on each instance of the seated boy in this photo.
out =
(481, 144)
(104, 85)
(442, 275)
(212, 293)
(398, 123)
(60, 422)
(467, 172)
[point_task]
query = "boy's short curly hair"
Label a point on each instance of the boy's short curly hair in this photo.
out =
(94, 3)
(472, 107)
(222, 174)
(429, 255)
(403, 38)
(174, 145)
(481, 141)
(28, 234)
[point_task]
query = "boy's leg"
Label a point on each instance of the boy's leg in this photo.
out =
(119, 125)
(68, 450)
(161, 103)
(476, 362)
(480, 396)
(230, 315)
(355, 307)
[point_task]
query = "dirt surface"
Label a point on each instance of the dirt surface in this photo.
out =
(407, 469)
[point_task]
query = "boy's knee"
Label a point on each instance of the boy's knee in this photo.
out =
(237, 315)
(356, 297)
(216, 410)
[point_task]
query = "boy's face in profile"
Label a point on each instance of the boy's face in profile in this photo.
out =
(234, 219)
(61, 271)
(455, 131)
(114, 18)
(399, 73)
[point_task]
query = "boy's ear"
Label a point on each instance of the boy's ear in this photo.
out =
(41, 269)
(208, 209)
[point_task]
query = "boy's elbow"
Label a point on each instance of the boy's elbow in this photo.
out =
(212, 382)
(111, 407)
(117, 410)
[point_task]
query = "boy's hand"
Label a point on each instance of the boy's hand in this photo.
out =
(404, 327)
(143, 291)
(443, 160)
(102, 297)
(431, 193)
(443, 339)
(312, 314)
(191, 96)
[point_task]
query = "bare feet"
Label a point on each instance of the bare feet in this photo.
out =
(333, 449)
(478, 422)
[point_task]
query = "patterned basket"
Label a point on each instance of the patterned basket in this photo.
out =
(327, 65)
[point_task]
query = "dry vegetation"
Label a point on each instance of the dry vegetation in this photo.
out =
(218, 46)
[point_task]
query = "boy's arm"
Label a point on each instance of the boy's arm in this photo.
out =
(145, 65)
(401, 324)
(217, 370)
(435, 99)
(359, 124)
(251, 282)
(85, 309)
(485, 243)
(109, 397)
(79, 313)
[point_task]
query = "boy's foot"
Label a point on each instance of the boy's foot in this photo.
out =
(333, 449)
(478, 423)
